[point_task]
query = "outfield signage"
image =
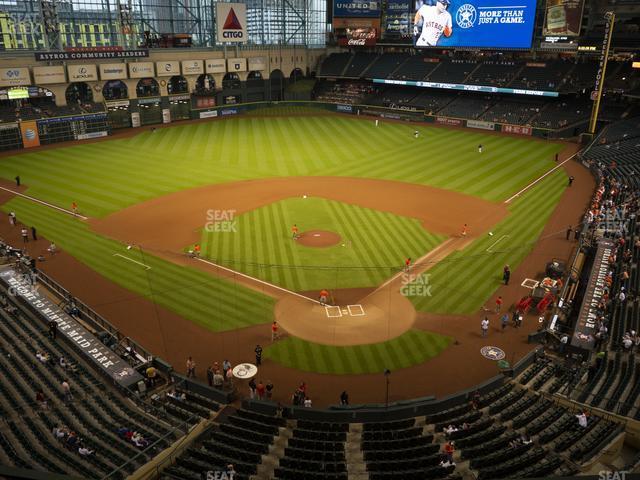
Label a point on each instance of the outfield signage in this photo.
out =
(192, 67)
(468, 88)
(237, 64)
(168, 69)
(141, 70)
(92, 55)
(257, 63)
(231, 22)
(356, 8)
(93, 349)
(113, 71)
(11, 77)
(456, 122)
(216, 65)
(82, 73)
(49, 75)
(481, 125)
(517, 129)
(584, 333)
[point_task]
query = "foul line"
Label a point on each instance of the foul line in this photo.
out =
(257, 280)
(495, 243)
(132, 260)
(50, 205)
(539, 178)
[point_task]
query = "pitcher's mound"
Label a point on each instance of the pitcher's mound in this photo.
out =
(319, 238)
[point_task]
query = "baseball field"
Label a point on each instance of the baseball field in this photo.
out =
(364, 199)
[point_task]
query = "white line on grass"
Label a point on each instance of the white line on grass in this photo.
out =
(50, 205)
(496, 242)
(147, 267)
(538, 179)
(257, 280)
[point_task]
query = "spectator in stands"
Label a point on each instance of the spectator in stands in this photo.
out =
(191, 368)
(210, 375)
(218, 379)
(344, 398)
(84, 451)
(449, 448)
(66, 390)
(582, 419)
(260, 390)
(42, 401)
(152, 376)
(269, 389)
(252, 388)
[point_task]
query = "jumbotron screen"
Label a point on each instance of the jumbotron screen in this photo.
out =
(474, 23)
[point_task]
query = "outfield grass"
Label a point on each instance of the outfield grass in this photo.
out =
(411, 348)
(373, 247)
(463, 281)
(104, 177)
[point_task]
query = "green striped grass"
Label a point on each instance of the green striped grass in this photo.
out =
(411, 348)
(375, 244)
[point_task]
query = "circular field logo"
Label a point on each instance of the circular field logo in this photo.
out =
(492, 353)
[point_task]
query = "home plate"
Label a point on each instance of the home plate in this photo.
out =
(333, 311)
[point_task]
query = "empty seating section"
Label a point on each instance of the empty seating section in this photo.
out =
(95, 414)
(455, 71)
(414, 69)
(359, 64)
(542, 75)
(494, 73)
(385, 65)
(334, 64)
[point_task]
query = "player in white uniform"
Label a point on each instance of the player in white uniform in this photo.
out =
(435, 22)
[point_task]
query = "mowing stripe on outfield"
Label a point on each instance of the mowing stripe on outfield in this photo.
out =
(539, 178)
(33, 199)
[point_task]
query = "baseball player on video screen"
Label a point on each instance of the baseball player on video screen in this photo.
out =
(435, 21)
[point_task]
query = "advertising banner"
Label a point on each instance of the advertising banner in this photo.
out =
(237, 64)
(474, 23)
(257, 63)
(584, 333)
(481, 125)
(82, 73)
(216, 65)
(113, 71)
(397, 19)
(356, 8)
(141, 70)
(93, 350)
(49, 75)
(231, 22)
(192, 67)
(30, 136)
(135, 119)
(449, 121)
(518, 129)
(168, 68)
(91, 55)
(563, 17)
(11, 77)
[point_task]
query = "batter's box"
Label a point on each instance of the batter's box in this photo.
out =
(356, 310)
(333, 312)
(530, 283)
